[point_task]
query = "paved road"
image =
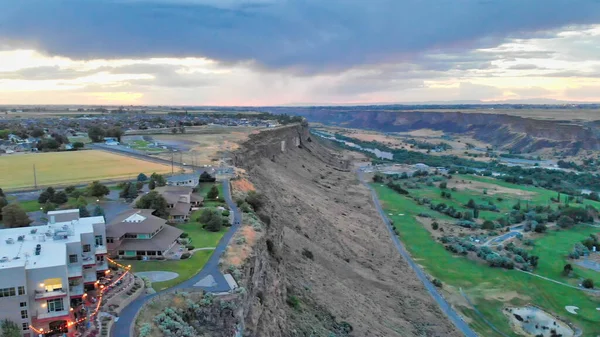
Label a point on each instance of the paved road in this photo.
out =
(211, 269)
(561, 283)
(461, 325)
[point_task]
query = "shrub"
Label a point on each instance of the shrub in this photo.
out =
(190, 247)
(184, 235)
(588, 283)
(225, 213)
(435, 225)
(185, 256)
(437, 283)
(293, 301)
(307, 254)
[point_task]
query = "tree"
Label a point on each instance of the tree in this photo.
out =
(142, 177)
(96, 189)
(588, 283)
(435, 225)
(2, 193)
(96, 134)
(443, 185)
(475, 212)
(471, 204)
(98, 211)
(70, 189)
(115, 132)
(152, 184)
(213, 193)
(205, 177)
(13, 216)
(78, 145)
(83, 212)
(540, 228)
(567, 269)
(565, 221)
(37, 133)
(81, 201)
(255, 200)
(159, 179)
(153, 200)
(59, 198)
(139, 185)
(487, 224)
(48, 207)
(129, 191)
(44, 197)
(10, 329)
(3, 203)
(211, 219)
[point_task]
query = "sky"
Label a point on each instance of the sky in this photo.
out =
(288, 52)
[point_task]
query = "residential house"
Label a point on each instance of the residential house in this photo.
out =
(137, 232)
(181, 200)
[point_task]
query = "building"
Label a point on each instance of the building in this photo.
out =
(137, 232)
(111, 141)
(46, 270)
(190, 180)
(181, 201)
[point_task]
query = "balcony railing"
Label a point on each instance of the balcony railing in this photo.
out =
(101, 265)
(48, 294)
(74, 271)
(76, 290)
(88, 260)
(44, 314)
(89, 276)
(100, 249)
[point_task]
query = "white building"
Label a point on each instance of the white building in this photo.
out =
(46, 270)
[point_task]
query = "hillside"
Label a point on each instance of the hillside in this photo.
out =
(326, 265)
(507, 132)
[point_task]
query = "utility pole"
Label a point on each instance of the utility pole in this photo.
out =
(34, 178)
(171, 162)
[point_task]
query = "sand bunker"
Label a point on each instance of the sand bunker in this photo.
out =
(572, 309)
(532, 321)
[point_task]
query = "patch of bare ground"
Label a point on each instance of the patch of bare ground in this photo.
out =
(447, 228)
(326, 253)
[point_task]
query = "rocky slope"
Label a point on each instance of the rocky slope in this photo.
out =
(326, 265)
(504, 131)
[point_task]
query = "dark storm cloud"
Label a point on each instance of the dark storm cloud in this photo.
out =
(307, 35)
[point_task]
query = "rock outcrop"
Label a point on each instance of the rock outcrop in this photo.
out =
(326, 265)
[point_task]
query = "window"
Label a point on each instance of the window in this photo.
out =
(99, 241)
(109, 240)
(21, 290)
(87, 248)
(121, 252)
(55, 305)
(130, 236)
(141, 252)
(53, 284)
(23, 304)
(7, 292)
(24, 314)
(100, 258)
(25, 326)
(73, 258)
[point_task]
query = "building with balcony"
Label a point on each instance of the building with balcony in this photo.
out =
(46, 270)
(137, 233)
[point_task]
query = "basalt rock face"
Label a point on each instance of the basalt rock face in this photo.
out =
(505, 131)
(326, 265)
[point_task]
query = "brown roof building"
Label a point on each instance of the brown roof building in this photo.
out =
(137, 232)
(180, 200)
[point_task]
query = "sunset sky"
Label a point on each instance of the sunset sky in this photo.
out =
(273, 52)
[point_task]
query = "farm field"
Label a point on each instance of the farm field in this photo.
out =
(66, 168)
(493, 289)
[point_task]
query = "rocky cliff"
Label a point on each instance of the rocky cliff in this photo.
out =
(504, 131)
(326, 265)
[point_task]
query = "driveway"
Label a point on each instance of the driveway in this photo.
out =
(209, 278)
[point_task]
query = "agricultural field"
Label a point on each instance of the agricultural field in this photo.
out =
(493, 291)
(68, 168)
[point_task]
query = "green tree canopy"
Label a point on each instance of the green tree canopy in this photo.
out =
(13, 216)
(97, 189)
(213, 193)
(153, 200)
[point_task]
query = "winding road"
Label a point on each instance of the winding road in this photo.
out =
(454, 317)
(210, 273)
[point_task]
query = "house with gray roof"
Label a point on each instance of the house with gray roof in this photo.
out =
(138, 233)
(190, 180)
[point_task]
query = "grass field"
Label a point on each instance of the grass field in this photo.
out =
(490, 289)
(203, 188)
(185, 268)
(65, 168)
(202, 238)
(142, 145)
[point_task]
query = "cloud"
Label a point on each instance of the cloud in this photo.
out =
(303, 35)
(523, 67)
(45, 73)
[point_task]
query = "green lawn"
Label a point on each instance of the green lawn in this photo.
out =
(202, 238)
(185, 268)
(203, 189)
(143, 145)
(484, 285)
(30, 206)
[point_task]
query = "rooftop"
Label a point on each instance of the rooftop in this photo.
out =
(18, 245)
(134, 221)
(184, 177)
